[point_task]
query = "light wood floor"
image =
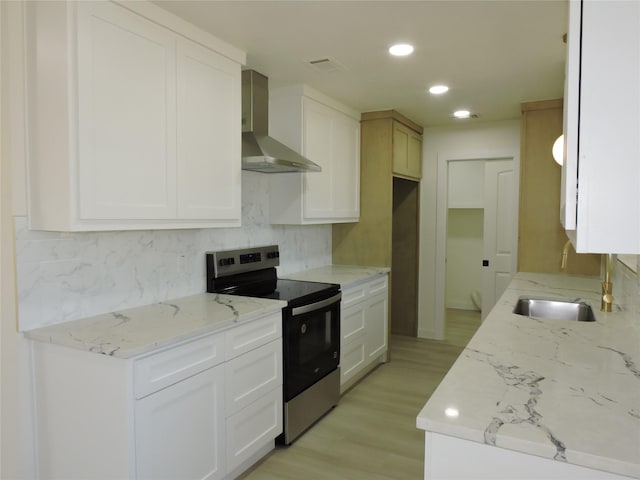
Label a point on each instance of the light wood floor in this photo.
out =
(371, 434)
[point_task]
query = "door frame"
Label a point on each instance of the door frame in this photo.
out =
(442, 195)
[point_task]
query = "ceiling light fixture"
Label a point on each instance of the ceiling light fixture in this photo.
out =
(401, 50)
(439, 89)
(462, 114)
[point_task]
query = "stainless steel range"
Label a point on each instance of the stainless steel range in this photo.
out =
(310, 329)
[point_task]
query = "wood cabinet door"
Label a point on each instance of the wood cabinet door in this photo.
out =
(208, 135)
(126, 115)
(407, 152)
(179, 431)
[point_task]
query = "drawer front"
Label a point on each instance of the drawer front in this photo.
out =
(377, 286)
(352, 360)
(352, 323)
(250, 376)
(162, 369)
(351, 296)
(254, 427)
(250, 335)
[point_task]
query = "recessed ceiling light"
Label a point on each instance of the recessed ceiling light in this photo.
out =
(401, 50)
(462, 114)
(438, 89)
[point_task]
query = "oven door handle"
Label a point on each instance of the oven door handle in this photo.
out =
(316, 306)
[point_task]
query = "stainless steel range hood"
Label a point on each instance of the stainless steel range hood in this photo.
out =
(261, 153)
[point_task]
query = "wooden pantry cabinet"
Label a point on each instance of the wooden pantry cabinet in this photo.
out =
(134, 119)
(600, 202)
(328, 133)
(387, 234)
(205, 408)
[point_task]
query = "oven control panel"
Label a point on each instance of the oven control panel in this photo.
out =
(230, 262)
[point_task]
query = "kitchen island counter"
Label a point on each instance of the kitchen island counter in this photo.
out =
(139, 330)
(562, 390)
(345, 275)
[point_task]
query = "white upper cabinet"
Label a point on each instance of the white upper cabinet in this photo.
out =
(327, 133)
(131, 124)
(600, 206)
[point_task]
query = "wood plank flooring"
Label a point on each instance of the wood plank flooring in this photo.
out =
(371, 434)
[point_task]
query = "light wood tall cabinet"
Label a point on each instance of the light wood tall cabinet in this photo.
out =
(540, 235)
(133, 119)
(387, 234)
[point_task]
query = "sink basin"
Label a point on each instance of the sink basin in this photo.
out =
(554, 309)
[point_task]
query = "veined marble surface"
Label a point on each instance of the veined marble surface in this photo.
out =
(344, 275)
(135, 331)
(564, 390)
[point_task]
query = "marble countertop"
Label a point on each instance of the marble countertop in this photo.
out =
(564, 390)
(135, 331)
(344, 275)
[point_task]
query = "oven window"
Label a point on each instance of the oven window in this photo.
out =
(311, 347)
(315, 337)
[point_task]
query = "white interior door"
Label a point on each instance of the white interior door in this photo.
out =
(499, 233)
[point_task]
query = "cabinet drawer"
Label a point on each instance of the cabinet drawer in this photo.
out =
(353, 295)
(252, 428)
(246, 337)
(377, 286)
(352, 358)
(352, 323)
(250, 376)
(162, 369)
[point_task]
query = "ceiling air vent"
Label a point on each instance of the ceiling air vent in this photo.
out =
(325, 64)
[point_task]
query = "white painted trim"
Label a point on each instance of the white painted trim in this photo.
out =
(441, 219)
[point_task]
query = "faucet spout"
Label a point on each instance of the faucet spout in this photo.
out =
(607, 286)
(565, 252)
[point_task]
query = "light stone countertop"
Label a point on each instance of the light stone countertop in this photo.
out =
(131, 332)
(563, 390)
(345, 275)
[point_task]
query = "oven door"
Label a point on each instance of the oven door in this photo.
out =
(311, 335)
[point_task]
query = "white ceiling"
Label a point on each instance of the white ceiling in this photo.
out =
(494, 54)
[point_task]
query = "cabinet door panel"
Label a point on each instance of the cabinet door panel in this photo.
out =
(352, 359)
(208, 140)
(407, 151)
(251, 429)
(352, 322)
(179, 431)
(318, 147)
(252, 375)
(376, 327)
(126, 113)
(346, 168)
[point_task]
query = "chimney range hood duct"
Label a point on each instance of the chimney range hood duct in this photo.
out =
(261, 153)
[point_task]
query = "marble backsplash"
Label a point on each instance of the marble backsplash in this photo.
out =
(66, 276)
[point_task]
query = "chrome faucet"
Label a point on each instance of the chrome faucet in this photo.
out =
(607, 285)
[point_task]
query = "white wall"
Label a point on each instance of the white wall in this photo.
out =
(468, 140)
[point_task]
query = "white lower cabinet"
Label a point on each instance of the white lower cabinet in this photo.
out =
(202, 409)
(179, 431)
(363, 329)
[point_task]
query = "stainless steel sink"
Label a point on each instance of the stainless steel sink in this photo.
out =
(555, 309)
